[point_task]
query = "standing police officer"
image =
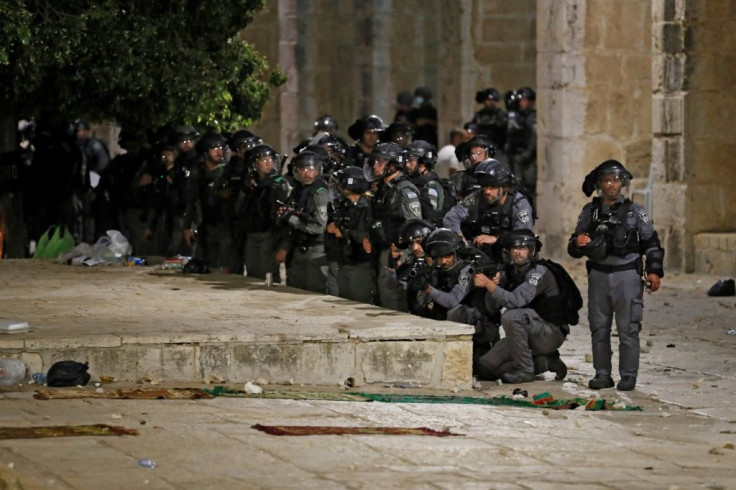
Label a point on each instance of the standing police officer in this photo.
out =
(366, 132)
(521, 143)
(350, 224)
(303, 220)
(488, 213)
(420, 159)
(534, 320)
(395, 201)
(614, 233)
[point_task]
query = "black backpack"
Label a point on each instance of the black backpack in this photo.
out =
(68, 373)
(569, 293)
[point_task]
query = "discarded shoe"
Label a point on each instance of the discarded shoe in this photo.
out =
(600, 381)
(518, 376)
(627, 383)
(554, 363)
(725, 287)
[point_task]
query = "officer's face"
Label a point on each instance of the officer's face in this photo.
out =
(264, 165)
(186, 145)
(477, 155)
(370, 137)
(411, 164)
(416, 247)
(492, 194)
(524, 104)
(167, 158)
(446, 261)
(519, 255)
(379, 167)
(610, 186)
(216, 154)
(307, 174)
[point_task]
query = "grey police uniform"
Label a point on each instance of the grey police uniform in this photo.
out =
(306, 263)
(471, 217)
(615, 286)
(401, 205)
(533, 321)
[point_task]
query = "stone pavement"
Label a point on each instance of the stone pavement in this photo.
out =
(684, 437)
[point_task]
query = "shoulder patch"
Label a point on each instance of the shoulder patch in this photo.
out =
(523, 216)
(322, 210)
(432, 191)
(534, 278)
(643, 216)
(464, 280)
(415, 208)
(411, 195)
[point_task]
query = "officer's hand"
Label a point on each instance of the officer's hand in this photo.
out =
(145, 180)
(655, 281)
(582, 240)
(395, 252)
(480, 280)
(497, 278)
(333, 230)
(189, 237)
(281, 256)
(419, 282)
(367, 245)
(224, 193)
(484, 240)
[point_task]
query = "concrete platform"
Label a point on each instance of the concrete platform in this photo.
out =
(142, 323)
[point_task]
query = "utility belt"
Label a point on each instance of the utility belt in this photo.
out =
(608, 269)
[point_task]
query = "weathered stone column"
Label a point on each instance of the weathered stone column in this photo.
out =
(594, 100)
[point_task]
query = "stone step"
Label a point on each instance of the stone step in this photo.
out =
(715, 253)
(142, 323)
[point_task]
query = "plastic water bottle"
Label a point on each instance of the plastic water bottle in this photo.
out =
(147, 463)
(12, 371)
(39, 378)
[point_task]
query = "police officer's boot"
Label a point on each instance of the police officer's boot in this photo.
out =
(627, 383)
(600, 381)
(554, 363)
(517, 376)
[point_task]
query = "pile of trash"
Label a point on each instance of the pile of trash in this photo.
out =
(111, 249)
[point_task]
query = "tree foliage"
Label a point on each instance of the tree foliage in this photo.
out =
(138, 62)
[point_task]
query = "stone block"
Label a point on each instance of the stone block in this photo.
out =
(673, 40)
(397, 361)
(561, 25)
(138, 361)
(180, 362)
(510, 29)
(497, 52)
(667, 115)
(34, 362)
(215, 360)
(100, 341)
(457, 364)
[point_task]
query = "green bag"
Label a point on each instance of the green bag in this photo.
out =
(54, 242)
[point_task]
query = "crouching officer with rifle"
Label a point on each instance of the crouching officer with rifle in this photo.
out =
(534, 321)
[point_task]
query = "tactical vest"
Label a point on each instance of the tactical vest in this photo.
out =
(617, 225)
(302, 200)
(488, 220)
(256, 212)
(550, 308)
(349, 217)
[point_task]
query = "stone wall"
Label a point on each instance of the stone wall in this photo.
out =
(594, 101)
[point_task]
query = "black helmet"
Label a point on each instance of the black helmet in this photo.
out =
(426, 152)
(413, 229)
(352, 178)
(442, 241)
(371, 122)
(259, 151)
(184, 132)
(609, 167)
(398, 132)
(490, 93)
(305, 159)
(210, 140)
(244, 139)
(521, 238)
(482, 141)
(325, 123)
(423, 92)
(389, 152)
(511, 99)
(526, 93)
(336, 148)
(492, 173)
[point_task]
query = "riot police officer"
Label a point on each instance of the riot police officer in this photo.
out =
(491, 119)
(210, 204)
(488, 213)
(521, 143)
(614, 233)
(420, 159)
(350, 223)
(470, 153)
(303, 221)
(366, 132)
(534, 320)
(395, 200)
(262, 190)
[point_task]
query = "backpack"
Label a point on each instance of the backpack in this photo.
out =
(570, 296)
(68, 373)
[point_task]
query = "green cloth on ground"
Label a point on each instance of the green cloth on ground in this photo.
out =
(542, 400)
